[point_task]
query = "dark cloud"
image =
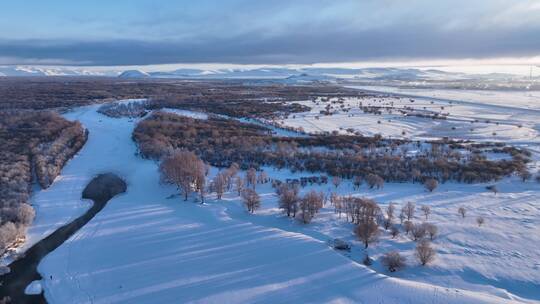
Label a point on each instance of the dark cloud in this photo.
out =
(312, 46)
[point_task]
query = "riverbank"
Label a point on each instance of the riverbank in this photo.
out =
(24, 270)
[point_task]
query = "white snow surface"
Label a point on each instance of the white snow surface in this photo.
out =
(515, 123)
(145, 247)
(33, 288)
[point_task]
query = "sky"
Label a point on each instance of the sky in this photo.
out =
(278, 32)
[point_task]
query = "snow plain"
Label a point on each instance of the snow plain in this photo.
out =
(502, 121)
(147, 246)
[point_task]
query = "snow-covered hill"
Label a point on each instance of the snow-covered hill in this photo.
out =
(133, 74)
(21, 71)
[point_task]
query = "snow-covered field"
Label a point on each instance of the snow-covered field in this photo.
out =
(517, 99)
(480, 121)
(146, 247)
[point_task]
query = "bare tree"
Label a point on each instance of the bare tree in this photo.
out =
(185, 170)
(431, 184)
(251, 199)
(357, 182)
(462, 211)
(480, 221)
(493, 189)
(408, 210)
(336, 181)
(231, 174)
(426, 210)
(393, 261)
(288, 199)
(525, 175)
(425, 252)
(394, 231)
(374, 180)
(219, 183)
(402, 216)
(389, 215)
(407, 226)
(239, 185)
(262, 178)
(367, 232)
(418, 232)
(431, 230)
(251, 177)
(310, 204)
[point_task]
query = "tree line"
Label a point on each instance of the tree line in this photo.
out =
(33, 143)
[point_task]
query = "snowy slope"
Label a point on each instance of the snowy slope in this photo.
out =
(133, 74)
(145, 248)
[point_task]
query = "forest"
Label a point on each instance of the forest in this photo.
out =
(35, 147)
(221, 142)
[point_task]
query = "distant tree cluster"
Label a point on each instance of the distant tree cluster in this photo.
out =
(130, 109)
(39, 142)
(374, 160)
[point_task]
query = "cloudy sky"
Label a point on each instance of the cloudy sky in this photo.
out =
(141, 32)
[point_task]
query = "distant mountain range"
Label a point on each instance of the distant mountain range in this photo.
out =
(283, 74)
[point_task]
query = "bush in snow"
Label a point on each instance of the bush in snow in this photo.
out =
(393, 261)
